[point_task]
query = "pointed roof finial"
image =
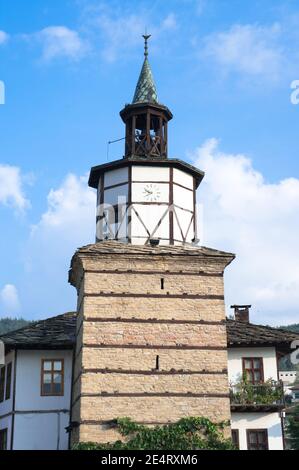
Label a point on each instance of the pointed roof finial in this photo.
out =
(146, 38)
(146, 89)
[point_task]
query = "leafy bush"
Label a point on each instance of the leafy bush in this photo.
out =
(266, 393)
(186, 434)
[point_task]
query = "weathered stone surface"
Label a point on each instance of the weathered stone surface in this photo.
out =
(110, 295)
(141, 383)
(154, 409)
(154, 334)
(151, 283)
(145, 359)
(153, 307)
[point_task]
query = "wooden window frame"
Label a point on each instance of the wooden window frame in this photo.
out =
(8, 381)
(3, 439)
(252, 369)
(248, 431)
(236, 441)
(52, 372)
(2, 383)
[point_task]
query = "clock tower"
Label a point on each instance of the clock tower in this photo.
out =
(151, 335)
(146, 196)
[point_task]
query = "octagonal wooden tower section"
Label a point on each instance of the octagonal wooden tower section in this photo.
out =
(151, 337)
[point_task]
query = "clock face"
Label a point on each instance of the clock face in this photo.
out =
(151, 192)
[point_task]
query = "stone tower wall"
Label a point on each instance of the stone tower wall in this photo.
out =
(137, 307)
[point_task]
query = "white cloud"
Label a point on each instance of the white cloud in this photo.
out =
(60, 41)
(121, 31)
(259, 222)
(68, 223)
(3, 37)
(11, 191)
(9, 300)
(69, 206)
(120, 34)
(250, 49)
(169, 22)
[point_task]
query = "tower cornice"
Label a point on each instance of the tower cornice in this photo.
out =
(97, 171)
(131, 109)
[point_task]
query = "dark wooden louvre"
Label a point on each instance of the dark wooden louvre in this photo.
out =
(2, 384)
(8, 381)
(3, 439)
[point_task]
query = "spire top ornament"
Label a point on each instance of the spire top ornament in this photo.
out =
(146, 91)
(146, 38)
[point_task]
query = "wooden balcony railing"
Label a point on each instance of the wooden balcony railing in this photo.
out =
(155, 146)
(269, 393)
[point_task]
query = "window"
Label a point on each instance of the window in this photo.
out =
(8, 381)
(2, 383)
(235, 438)
(52, 377)
(3, 439)
(253, 369)
(257, 439)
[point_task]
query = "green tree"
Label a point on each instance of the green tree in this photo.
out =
(186, 434)
(292, 428)
(11, 324)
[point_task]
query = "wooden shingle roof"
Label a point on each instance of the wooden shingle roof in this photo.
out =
(146, 91)
(59, 333)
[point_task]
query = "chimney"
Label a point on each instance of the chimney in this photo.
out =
(241, 312)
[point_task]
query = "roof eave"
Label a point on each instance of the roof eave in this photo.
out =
(98, 170)
(142, 106)
(38, 347)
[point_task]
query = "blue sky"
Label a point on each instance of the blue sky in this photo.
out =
(224, 67)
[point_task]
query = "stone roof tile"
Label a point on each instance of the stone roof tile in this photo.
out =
(59, 333)
(115, 247)
(241, 333)
(52, 333)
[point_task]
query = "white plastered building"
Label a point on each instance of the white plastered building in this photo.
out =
(36, 382)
